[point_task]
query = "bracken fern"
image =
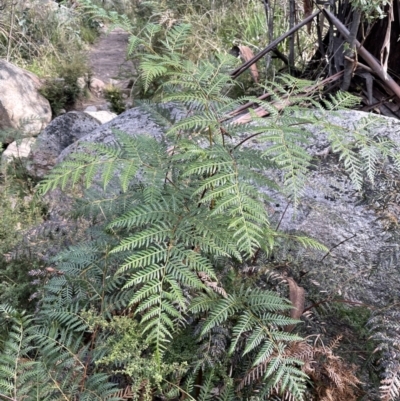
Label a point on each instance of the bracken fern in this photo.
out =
(177, 210)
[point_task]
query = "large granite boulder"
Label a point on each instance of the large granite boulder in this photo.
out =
(361, 229)
(58, 135)
(133, 122)
(21, 105)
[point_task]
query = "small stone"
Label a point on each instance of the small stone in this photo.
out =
(82, 83)
(103, 116)
(97, 86)
(90, 109)
(20, 149)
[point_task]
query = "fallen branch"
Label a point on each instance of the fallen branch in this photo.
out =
(377, 68)
(359, 65)
(272, 45)
(281, 104)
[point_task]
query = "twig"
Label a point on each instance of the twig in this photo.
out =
(7, 398)
(377, 104)
(335, 246)
(292, 14)
(281, 56)
(342, 301)
(13, 4)
(283, 215)
(361, 65)
(245, 107)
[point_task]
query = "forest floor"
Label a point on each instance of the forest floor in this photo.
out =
(107, 60)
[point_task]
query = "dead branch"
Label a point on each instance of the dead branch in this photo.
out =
(283, 102)
(272, 45)
(387, 80)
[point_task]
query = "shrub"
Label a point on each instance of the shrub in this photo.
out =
(115, 97)
(64, 91)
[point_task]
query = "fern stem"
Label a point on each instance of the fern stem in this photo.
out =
(7, 398)
(180, 389)
(17, 360)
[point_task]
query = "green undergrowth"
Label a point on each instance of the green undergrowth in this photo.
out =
(20, 211)
(115, 97)
(43, 35)
(62, 92)
(217, 26)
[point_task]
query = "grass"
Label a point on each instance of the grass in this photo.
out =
(218, 25)
(63, 92)
(40, 38)
(20, 210)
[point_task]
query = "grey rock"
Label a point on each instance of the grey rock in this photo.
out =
(59, 134)
(20, 149)
(133, 122)
(103, 107)
(21, 105)
(363, 262)
(102, 116)
(91, 108)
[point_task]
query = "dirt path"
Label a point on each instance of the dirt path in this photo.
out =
(107, 59)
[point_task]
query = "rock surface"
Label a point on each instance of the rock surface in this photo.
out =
(90, 108)
(133, 122)
(363, 239)
(58, 135)
(17, 149)
(102, 116)
(21, 105)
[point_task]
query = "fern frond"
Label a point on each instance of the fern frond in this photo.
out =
(341, 100)
(176, 37)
